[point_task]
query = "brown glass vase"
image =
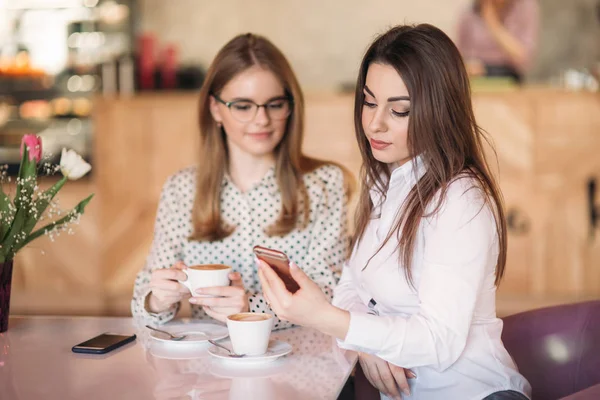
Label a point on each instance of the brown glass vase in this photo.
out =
(5, 281)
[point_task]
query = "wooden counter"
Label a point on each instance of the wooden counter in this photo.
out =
(547, 143)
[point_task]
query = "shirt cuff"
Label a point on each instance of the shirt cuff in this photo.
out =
(140, 311)
(370, 333)
(358, 308)
(352, 304)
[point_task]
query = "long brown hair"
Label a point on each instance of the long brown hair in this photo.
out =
(441, 128)
(243, 52)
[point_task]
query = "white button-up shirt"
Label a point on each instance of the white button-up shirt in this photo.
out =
(445, 330)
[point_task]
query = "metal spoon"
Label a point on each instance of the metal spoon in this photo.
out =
(171, 336)
(231, 353)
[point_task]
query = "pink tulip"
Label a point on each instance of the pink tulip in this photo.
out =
(34, 147)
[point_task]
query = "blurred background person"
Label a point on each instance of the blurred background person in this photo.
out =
(498, 38)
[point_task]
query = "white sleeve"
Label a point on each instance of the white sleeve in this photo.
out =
(460, 243)
(345, 295)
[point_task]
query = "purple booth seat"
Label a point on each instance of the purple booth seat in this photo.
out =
(591, 393)
(557, 349)
(363, 390)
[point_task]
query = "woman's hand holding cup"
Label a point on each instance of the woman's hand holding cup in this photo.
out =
(220, 301)
(167, 288)
(213, 286)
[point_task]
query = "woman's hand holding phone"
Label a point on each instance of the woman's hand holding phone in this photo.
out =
(308, 306)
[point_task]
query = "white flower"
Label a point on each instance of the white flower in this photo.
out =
(72, 165)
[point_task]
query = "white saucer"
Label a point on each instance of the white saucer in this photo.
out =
(276, 349)
(194, 333)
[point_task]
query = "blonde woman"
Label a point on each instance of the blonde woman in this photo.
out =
(252, 186)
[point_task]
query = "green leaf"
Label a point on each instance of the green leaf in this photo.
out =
(79, 209)
(8, 251)
(27, 180)
(7, 213)
(23, 198)
(40, 206)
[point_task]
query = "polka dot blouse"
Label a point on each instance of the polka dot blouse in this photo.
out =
(319, 249)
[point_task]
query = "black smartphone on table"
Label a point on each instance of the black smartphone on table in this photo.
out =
(103, 343)
(280, 263)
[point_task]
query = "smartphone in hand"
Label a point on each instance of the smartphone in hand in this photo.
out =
(280, 263)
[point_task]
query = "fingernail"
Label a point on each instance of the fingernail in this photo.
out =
(412, 375)
(199, 291)
(293, 265)
(406, 391)
(193, 300)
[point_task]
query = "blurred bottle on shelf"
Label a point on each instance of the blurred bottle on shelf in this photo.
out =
(146, 61)
(168, 68)
(159, 67)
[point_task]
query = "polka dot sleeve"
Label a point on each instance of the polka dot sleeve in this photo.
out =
(329, 239)
(165, 251)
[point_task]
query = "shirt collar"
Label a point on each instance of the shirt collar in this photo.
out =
(407, 174)
(410, 172)
(269, 181)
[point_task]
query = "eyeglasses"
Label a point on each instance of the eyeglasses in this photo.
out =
(246, 110)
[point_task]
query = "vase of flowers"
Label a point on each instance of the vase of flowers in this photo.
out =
(25, 217)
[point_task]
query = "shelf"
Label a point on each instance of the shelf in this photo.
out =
(21, 124)
(24, 89)
(40, 4)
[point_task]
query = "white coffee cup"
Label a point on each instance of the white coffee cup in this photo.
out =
(206, 275)
(249, 332)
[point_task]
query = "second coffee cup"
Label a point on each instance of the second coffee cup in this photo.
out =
(249, 332)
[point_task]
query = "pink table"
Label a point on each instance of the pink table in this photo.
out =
(36, 362)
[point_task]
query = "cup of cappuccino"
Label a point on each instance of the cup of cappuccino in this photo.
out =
(206, 275)
(249, 332)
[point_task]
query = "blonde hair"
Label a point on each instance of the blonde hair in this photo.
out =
(241, 53)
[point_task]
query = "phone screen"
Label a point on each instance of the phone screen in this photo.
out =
(103, 343)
